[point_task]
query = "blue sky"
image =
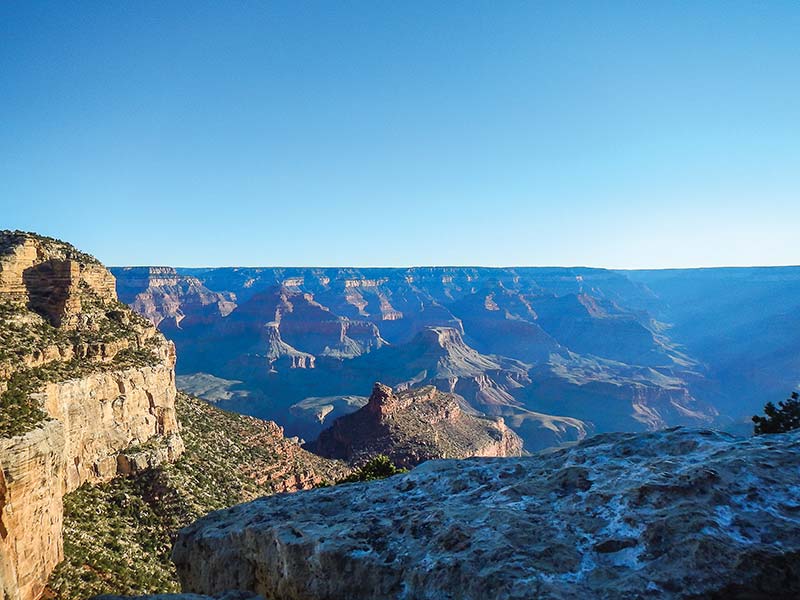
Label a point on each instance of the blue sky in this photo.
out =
(611, 134)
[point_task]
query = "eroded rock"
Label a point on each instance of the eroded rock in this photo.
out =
(416, 425)
(671, 514)
(82, 378)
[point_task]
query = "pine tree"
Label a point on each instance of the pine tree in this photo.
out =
(781, 418)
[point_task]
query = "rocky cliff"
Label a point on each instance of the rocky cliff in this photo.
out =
(31, 511)
(670, 514)
(118, 535)
(413, 426)
(82, 378)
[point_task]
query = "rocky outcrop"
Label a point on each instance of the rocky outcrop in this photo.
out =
(31, 487)
(83, 378)
(671, 514)
(439, 356)
(50, 277)
(105, 412)
(160, 450)
(413, 426)
(281, 355)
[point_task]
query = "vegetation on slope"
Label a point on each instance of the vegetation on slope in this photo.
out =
(19, 412)
(10, 239)
(37, 346)
(118, 536)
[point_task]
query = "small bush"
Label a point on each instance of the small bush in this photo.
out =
(379, 467)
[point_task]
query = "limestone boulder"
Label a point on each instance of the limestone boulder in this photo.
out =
(671, 514)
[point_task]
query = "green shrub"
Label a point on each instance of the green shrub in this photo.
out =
(379, 467)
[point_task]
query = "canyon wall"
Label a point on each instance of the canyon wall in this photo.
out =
(82, 379)
(556, 352)
(106, 412)
(31, 487)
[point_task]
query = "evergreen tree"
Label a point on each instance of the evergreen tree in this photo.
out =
(781, 418)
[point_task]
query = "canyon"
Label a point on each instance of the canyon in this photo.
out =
(113, 481)
(559, 353)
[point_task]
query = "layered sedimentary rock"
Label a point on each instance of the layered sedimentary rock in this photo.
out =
(82, 378)
(497, 337)
(675, 347)
(163, 295)
(31, 487)
(51, 278)
(439, 356)
(670, 514)
(105, 412)
(413, 426)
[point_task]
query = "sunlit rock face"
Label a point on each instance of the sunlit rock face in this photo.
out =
(162, 295)
(82, 378)
(31, 511)
(672, 514)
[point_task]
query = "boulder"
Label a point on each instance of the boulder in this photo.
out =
(670, 514)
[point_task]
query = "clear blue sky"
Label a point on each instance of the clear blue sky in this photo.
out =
(616, 134)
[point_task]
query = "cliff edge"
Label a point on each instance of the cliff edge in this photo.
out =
(670, 514)
(82, 379)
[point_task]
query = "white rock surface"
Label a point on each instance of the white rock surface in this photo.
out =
(671, 514)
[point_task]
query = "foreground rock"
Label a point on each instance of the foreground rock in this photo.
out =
(672, 514)
(413, 426)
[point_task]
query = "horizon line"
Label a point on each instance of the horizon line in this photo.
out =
(471, 266)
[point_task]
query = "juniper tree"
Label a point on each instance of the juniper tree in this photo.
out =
(781, 418)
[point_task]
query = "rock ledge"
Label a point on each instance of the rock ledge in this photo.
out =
(672, 514)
